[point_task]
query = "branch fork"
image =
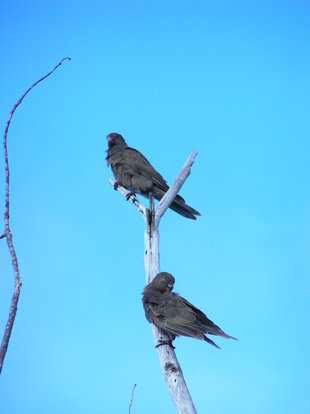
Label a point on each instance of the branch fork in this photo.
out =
(169, 364)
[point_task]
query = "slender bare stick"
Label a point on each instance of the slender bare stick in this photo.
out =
(168, 361)
(168, 198)
(133, 199)
(132, 393)
(7, 232)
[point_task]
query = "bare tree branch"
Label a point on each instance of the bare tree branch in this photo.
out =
(132, 393)
(133, 199)
(170, 195)
(168, 361)
(7, 232)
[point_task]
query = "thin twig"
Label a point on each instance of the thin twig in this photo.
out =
(170, 195)
(132, 393)
(7, 232)
(133, 199)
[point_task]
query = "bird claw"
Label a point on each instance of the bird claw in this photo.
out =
(160, 343)
(131, 193)
(116, 185)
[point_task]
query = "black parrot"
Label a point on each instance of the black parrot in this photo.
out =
(174, 315)
(134, 172)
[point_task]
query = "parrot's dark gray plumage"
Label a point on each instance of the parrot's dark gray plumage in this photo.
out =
(135, 173)
(173, 314)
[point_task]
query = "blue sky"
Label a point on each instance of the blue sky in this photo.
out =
(229, 79)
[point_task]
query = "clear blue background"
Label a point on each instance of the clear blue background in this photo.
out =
(230, 79)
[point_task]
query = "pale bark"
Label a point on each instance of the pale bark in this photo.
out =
(168, 361)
